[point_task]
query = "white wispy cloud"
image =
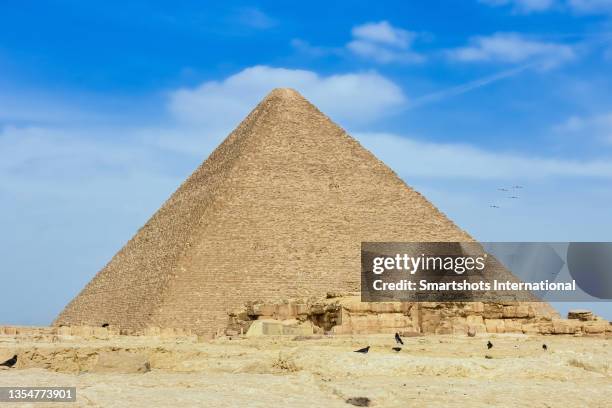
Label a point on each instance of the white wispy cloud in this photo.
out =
(414, 158)
(383, 33)
(254, 18)
(315, 51)
(535, 6)
(383, 43)
(351, 98)
(522, 5)
(596, 126)
(512, 48)
(590, 6)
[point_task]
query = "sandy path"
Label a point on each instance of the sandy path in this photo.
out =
(430, 371)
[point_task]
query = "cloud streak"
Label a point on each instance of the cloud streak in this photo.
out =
(512, 48)
(467, 87)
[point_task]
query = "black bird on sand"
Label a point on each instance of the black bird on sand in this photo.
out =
(10, 362)
(544, 346)
(397, 349)
(489, 345)
(398, 339)
(363, 350)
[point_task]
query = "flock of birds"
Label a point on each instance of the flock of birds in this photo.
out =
(512, 190)
(400, 342)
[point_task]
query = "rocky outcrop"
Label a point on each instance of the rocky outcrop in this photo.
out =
(346, 314)
(581, 314)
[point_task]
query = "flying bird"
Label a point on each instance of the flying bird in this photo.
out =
(489, 345)
(363, 350)
(398, 339)
(397, 349)
(10, 362)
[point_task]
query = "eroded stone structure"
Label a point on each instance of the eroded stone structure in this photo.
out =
(348, 315)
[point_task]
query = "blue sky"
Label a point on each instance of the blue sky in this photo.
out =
(105, 107)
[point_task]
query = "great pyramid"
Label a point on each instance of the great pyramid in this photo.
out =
(278, 210)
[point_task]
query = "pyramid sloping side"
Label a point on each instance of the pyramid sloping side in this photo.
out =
(279, 210)
(128, 290)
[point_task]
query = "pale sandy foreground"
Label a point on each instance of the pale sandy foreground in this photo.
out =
(431, 371)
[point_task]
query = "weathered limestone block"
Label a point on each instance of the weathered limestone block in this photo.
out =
(81, 331)
(474, 308)
(517, 311)
(546, 327)
(476, 324)
(513, 326)
(493, 311)
(167, 332)
(263, 309)
(562, 326)
(270, 327)
(301, 309)
(445, 327)
(360, 323)
(393, 320)
(495, 325)
(152, 331)
(386, 307)
(10, 330)
(581, 314)
(531, 328)
(356, 306)
(100, 332)
(429, 322)
(285, 311)
(595, 327)
(459, 325)
(541, 327)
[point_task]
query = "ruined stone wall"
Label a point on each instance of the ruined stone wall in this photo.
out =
(348, 315)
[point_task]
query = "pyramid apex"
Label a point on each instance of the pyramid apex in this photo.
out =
(284, 93)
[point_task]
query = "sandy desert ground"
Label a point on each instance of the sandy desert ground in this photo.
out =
(431, 371)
